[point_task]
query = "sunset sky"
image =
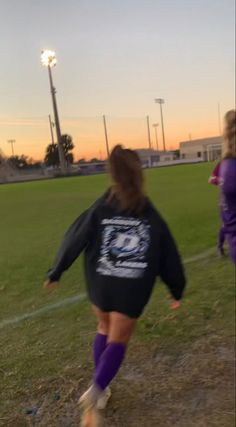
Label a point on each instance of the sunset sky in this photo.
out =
(114, 58)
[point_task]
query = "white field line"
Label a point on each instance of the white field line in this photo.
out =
(47, 308)
(200, 256)
(77, 298)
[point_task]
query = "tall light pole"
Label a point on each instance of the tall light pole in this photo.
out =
(48, 59)
(106, 136)
(51, 124)
(161, 101)
(149, 136)
(12, 142)
(155, 125)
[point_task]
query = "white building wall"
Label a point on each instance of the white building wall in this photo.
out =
(208, 149)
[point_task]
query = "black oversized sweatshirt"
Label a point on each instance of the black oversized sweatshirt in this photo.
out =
(124, 254)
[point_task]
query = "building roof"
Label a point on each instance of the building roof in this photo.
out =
(149, 152)
(145, 151)
(202, 141)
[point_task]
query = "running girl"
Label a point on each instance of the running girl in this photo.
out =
(127, 244)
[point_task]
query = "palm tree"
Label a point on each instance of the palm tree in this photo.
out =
(52, 155)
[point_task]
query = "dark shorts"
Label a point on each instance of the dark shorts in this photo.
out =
(129, 298)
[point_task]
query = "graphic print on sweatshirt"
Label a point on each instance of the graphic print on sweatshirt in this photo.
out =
(125, 242)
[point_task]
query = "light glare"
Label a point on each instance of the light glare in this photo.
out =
(48, 58)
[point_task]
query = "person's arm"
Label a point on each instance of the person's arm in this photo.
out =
(215, 176)
(74, 242)
(171, 269)
(214, 180)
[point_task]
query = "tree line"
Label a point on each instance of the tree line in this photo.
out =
(51, 158)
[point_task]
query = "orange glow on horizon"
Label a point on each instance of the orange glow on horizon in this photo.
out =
(33, 135)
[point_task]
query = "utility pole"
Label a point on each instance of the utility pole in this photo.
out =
(162, 101)
(12, 142)
(106, 136)
(149, 136)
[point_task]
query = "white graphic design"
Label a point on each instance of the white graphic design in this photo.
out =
(125, 242)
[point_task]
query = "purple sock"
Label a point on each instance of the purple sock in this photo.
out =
(99, 345)
(109, 364)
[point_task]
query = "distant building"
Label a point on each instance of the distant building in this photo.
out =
(205, 149)
(88, 168)
(151, 157)
(167, 156)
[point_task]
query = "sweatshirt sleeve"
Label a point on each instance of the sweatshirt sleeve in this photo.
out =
(171, 269)
(74, 242)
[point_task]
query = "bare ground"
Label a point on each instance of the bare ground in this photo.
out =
(194, 387)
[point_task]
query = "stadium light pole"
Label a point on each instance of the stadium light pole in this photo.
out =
(51, 124)
(162, 101)
(48, 59)
(155, 125)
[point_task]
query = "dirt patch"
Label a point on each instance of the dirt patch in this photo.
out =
(190, 388)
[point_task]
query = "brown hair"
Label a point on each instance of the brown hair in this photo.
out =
(230, 134)
(126, 171)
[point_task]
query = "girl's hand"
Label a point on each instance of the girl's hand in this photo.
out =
(175, 304)
(50, 285)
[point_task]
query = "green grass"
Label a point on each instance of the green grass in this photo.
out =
(50, 353)
(35, 215)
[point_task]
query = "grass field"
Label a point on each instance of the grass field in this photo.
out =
(179, 369)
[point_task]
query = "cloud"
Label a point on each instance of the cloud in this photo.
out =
(26, 121)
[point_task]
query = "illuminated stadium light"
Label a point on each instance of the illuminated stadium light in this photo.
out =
(48, 58)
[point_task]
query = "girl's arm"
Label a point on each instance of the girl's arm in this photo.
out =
(74, 242)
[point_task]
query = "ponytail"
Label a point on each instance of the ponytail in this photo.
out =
(127, 174)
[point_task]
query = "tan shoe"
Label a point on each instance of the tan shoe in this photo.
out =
(104, 399)
(83, 400)
(90, 416)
